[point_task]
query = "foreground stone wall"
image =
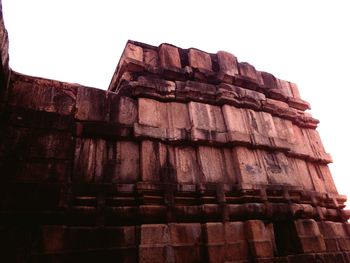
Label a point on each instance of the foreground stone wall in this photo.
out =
(188, 157)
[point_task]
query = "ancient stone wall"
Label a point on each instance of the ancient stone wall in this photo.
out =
(188, 157)
(4, 61)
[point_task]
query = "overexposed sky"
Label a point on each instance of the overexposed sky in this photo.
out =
(307, 42)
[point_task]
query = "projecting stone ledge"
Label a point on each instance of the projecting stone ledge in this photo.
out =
(173, 63)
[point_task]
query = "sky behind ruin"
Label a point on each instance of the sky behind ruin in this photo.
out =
(307, 42)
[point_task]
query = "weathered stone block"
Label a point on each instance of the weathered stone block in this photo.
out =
(266, 124)
(301, 143)
(150, 57)
(317, 177)
(234, 119)
(153, 161)
(334, 235)
(227, 63)
(90, 160)
(53, 238)
(51, 145)
(154, 234)
(248, 71)
(250, 170)
(284, 128)
(123, 110)
(259, 238)
(91, 105)
(215, 242)
(269, 80)
(260, 126)
(315, 143)
(276, 166)
(206, 117)
(226, 242)
(237, 246)
(169, 56)
(134, 52)
(310, 237)
(187, 168)
(122, 163)
(199, 59)
(299, 171)
(43, 95)
(211, 161)
(275, 107)
(328, 179)
(284, 86)
(294, 89)
(154, 244)
(186, 241)
(166, 115)
(152, 113)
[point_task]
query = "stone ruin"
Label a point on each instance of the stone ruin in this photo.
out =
(188, 157)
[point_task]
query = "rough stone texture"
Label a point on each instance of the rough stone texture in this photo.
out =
(189, 157)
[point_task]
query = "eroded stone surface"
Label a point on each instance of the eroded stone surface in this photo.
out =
(189, 157)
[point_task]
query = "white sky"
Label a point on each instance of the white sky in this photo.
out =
(306, 42)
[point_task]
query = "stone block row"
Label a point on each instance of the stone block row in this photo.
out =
(195, 242)
(66, 99)
(98, 160)
(221, 94)
(161, 202)
(221, 67)
(92, 105)
(226, 125)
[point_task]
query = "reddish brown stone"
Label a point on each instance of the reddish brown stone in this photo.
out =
(169, 56)
(227, 63)
(153, 158)
(186, 240)
(309, 235)
(162, 87)
(276, 166)
(269, 80)
(187, 168)
(206, 117)
(235, 123)
(299, 171)
(327, 177)
(90, 160)
(211, 160)
(147, 172)
(284, 86)
(91, 105)
(259, 238)
(284, 128)
(294, 89)
(43, 95)
(123, 162)
(134, 52)
(248, 71)
(249, 169)
(150, 57)
(123, 110)
(154, 244)
(199, 59)
(185, 91)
